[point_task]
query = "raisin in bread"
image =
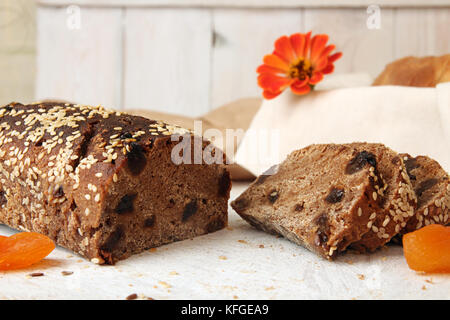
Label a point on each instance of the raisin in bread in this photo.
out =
(321, 197)
(431, 184)
(102, 183)
(398, 198)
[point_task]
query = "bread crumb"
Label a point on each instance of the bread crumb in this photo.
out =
(164, 284)
(261, 246)
(248, 271)
(174, 273)
(361, 277)
(242, 241)
(36, 274)
(424, 288)
(230, 287)
(269, 288)
(223, 258)
(66, 273)
(132, 296)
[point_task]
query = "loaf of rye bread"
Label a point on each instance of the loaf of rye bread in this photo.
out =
(431, 184)
(321, 197)
(102, 183)
(329, 197)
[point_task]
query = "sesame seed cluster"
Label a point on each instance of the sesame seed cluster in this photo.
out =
(388, 222)
(436, 212)
(397, 200)
(401, 208)
(432, 185)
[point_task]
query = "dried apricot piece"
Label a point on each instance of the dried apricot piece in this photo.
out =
(2, 242)
(428, 249)
(23, 249)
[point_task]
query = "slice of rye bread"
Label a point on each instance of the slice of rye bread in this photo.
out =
(320, 197)
(431, 184)
(398, 199)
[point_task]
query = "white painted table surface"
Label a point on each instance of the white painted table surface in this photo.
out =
(228, 264)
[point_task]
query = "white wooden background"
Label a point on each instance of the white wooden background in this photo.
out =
(191, 56)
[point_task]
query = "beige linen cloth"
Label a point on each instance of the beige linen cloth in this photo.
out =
(406, 119)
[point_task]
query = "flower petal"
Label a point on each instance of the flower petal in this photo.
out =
(323, 61)
(327, 50)
(300, 83)
(283, 49)
(268, 69)
(328, 69)
(318, 43)
(307, 44)
(272, 82)
(298, 41)
(276, 62)
(270, 95)
(299, 87)
(300, 90)
(334, 57)
(316, 78)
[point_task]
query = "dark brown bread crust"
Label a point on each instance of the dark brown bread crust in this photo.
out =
(320, 197)
(431, 184)
(102, 183)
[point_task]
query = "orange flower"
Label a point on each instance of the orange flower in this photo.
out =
(299, 62)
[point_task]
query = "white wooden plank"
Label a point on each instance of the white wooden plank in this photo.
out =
(421, 32)
(250, 3)
(79, 64)
(364, 50)
(243, 37)
(167, 60)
